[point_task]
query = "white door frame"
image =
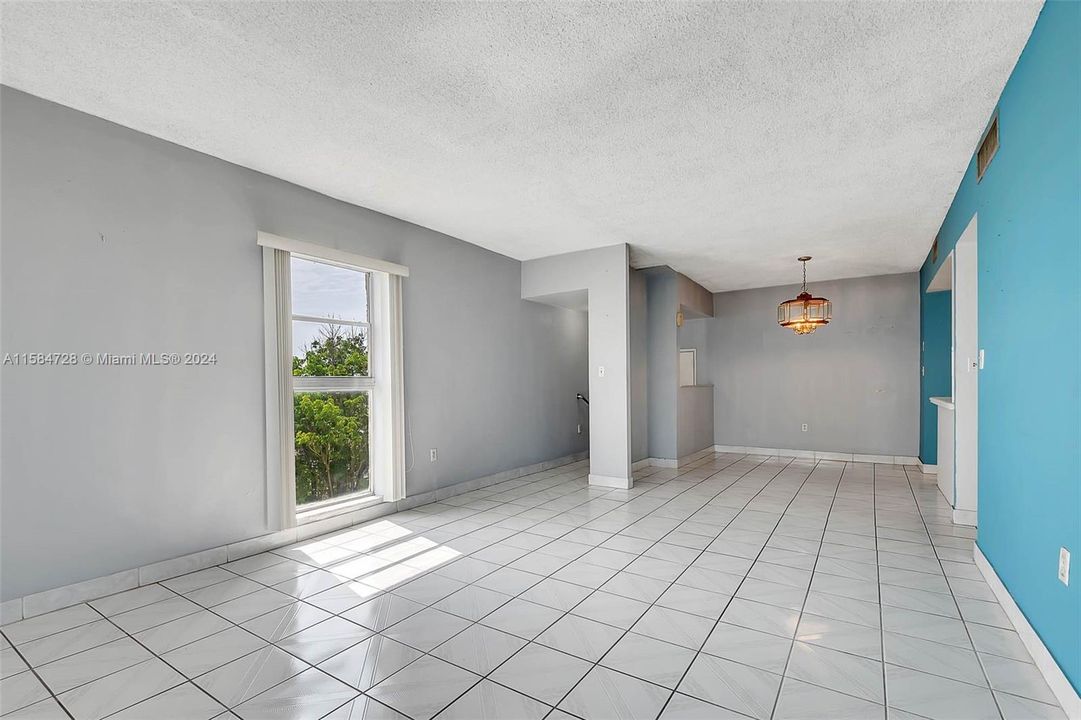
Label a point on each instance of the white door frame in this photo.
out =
(965, 361)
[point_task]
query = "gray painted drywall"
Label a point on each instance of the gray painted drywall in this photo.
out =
(855, 382)
(677, 420)
(639, 367)
(662, 303)
(605, 274)
(694, 405)
(694, 300)
(695, 335)
(114, 241)
(694, 419)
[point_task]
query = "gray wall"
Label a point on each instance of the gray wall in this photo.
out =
(695, 334)
(694, 299)
(694, 405)
(662, 358)
(694, 424)
(113, 241)
(604, 274)
(855, 383)
(639, 367)
(679, 423)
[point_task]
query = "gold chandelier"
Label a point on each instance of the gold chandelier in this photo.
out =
(804, 314)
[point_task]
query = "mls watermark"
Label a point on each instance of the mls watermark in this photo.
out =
(137, 359)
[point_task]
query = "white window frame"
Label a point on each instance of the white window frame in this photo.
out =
(384, 381)
(339, 384)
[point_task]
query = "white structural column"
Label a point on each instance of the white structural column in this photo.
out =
(600, 281)
(966, 352)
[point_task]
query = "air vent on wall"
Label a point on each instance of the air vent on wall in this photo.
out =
(988, 148)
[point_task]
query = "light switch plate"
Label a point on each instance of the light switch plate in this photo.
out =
(1064, 566)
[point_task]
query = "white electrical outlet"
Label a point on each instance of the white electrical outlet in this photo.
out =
(600, 371)
(804, 427)
(433, 455)
(981, 358)
(1064, 566)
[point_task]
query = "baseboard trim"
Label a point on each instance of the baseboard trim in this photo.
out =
(610, 481)
(964, 517)
(58, 598)
(482, 482)
(691, 458)
(1045, 662)
(928, 469)
(672, 463)
(818, 455)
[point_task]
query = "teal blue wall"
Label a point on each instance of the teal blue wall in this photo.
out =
(935, 381)
(1029, 248)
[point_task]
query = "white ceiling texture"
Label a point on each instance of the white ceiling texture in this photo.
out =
(721, 138)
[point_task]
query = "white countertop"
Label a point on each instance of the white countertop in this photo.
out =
(943, 402)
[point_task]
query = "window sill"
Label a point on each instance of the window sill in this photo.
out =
(332, 509)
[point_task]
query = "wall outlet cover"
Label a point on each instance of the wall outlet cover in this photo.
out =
(433, 455)
(804, 427)
(1064, 566)
(600, 371)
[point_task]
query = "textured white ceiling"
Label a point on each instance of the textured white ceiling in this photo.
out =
(722, 138)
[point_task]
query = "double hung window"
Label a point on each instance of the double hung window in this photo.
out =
(335, 397)
(332, 381)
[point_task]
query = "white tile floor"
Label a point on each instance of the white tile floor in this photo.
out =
(742, 586)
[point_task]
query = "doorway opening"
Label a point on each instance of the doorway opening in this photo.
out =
(958, 413)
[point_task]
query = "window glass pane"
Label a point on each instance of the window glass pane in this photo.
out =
(331, 445)
(328, 291)
(329, 349)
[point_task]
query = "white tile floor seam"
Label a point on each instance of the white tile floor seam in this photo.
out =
(716, 564)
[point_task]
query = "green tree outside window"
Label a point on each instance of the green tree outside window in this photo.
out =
(331, 428)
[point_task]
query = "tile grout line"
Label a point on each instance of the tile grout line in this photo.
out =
(382, 593)
(593, 664)
(881, 613)
(807, 593)
(642, 554)
(187, 680)
(639, 555)
(491, 524)
(755, 560)
(385, 592)
(32, 669)
(960, 615)
(428, 653)
(626, 631)
(521, 511)
(467, 533)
